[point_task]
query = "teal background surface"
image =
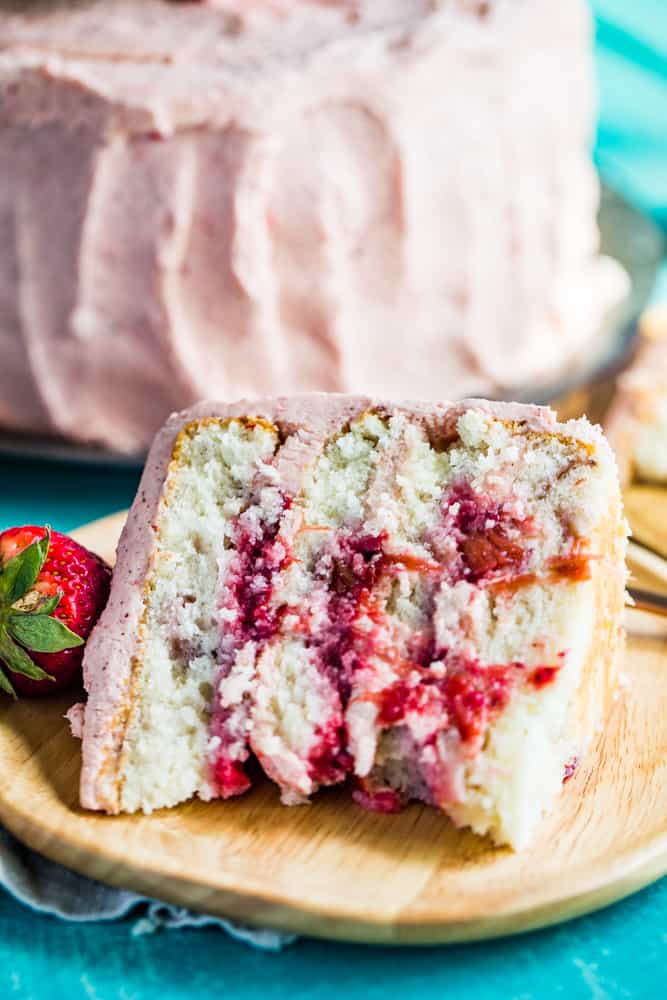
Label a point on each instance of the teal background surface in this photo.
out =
(620, 952)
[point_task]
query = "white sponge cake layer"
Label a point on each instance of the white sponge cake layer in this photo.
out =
(165, 747)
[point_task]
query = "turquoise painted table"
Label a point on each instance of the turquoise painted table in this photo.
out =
(620, 952)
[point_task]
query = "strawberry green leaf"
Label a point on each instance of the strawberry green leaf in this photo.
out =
(41, 633)
(6, 686)
(8, 573)
(47, 605)
(18, 575)
(18, 661)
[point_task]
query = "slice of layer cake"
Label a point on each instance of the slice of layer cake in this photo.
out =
(422, 598)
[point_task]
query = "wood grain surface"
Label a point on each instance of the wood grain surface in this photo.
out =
(646, 510)
(333, 870)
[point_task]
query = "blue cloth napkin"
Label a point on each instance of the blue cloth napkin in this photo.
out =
(49, 888)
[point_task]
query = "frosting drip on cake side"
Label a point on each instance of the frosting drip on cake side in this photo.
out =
(216, 204)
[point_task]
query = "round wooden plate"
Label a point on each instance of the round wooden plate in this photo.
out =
(335, 871)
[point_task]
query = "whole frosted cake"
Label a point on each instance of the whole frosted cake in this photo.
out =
(424, 599)
(389, 196)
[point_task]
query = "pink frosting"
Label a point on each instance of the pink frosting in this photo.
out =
(110, 648)
(242, 198)
(76, 718)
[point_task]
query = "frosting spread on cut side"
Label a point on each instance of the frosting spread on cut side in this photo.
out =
(244, 198)
(423, 603)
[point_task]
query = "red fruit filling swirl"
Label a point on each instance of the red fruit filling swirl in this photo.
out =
(486, 535)
(466, 695)
(570, 768)
(379, 800)
(260, 555)
(329, 762)
(349, 571)
(489, 537)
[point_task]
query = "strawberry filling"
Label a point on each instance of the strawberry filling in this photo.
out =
(573, 565)
(329, 762)
(570, 768)
(230, 777)
(479, 540)
(350, 574)
(379, 800)
(260, 555)
(467, 696)
(542, 676)
(251, 617)
(488, 536)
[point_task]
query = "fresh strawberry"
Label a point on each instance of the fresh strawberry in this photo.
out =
(52, 591)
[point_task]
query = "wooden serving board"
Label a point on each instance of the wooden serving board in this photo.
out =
(333, 870)
(646, 510)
